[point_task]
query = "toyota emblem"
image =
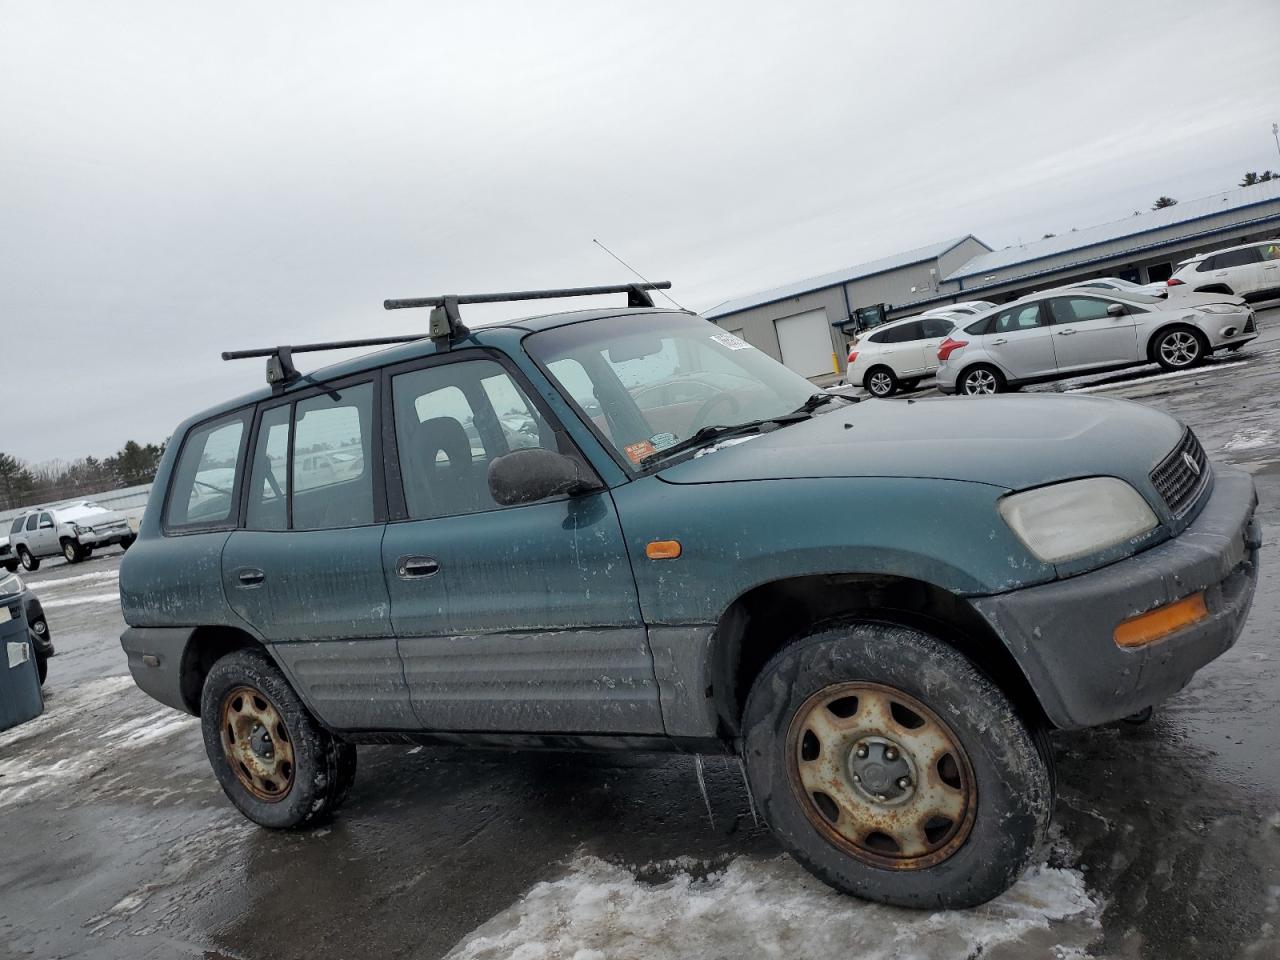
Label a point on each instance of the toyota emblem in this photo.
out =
(1190, 461)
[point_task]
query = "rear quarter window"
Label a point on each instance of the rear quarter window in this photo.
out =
(202, 490)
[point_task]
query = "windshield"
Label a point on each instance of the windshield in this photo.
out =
(647, 382)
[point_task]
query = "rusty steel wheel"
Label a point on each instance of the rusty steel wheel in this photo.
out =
(256, 743)
(881, 776)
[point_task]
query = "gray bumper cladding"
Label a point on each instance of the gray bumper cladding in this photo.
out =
(155, 660)
(1062, 633)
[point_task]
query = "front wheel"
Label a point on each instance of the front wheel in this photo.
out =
(892, 769)
(1179, 348)
(272, 759)
(72, 551)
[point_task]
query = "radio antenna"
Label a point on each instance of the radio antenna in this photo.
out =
(634, 270)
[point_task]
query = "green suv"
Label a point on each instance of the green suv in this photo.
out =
(628, 529)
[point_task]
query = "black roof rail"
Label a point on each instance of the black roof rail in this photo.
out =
(445, 325)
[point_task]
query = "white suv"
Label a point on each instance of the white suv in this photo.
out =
(1251, 271)
(72, 530)
(895, 356)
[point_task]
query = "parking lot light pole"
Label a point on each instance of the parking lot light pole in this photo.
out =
(1275, 132)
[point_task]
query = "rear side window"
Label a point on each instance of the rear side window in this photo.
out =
(1236, 258)
(269, 473)
(332, 462)
(982, 326)
(1024, 317)
(936, 327)
(202, 490)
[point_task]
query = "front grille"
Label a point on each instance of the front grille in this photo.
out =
(1178, 482)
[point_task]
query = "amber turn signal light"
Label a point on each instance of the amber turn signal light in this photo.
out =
(662, 549)
(1162, 621)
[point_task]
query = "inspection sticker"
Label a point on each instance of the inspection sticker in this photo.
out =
(661, 441)
(730, 341)
(638, 451)
(5, 615)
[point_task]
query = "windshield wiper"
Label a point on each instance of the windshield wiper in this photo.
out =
(818, 399)
(715, 431)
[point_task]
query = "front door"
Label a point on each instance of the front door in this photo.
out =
(1022, 342)
(306, 570)
(508, 619)
(1086, 336)
(46, 537)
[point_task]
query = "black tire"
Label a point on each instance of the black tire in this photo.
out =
(127, 543)
(323, 766)
(1179, 348)
(29, 563)
(42, 666)
(910, 384)
(11, 566)
(1234, 347)
(880, 382)
(1007, 784)
(72, 552)
(980, 380)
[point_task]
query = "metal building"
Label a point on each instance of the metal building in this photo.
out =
(807, 324)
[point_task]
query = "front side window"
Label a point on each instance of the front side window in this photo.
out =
(46, 520)
(1077, 309)
(332, 461)
(452, 421)
(1025, 317)
(202, 490)
(1270, 251)
(627, 361)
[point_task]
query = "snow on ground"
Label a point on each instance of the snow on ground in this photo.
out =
(55, 602)
(100, 576)
(84, 731)
(1142, 381)
(1250, 438)
(770, 908)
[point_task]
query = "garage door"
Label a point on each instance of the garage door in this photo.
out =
(805, 341)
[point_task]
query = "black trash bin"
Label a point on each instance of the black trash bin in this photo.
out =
(20, 697)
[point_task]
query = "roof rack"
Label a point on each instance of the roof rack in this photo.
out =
(445, 324)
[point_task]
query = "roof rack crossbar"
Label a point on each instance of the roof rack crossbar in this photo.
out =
(280, 368)
(638, 290)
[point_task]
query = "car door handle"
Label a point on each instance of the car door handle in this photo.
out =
(250, 577)
(1065, 333)
(417, 568)
(1000, 341)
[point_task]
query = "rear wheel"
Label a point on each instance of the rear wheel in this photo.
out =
(880, 382)
(981, 380)
(11, 565)
(126, 543)
(1179, 348)
(891, 768)
(272, 759)
(29, 563)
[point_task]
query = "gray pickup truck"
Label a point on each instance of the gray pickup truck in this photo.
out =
(683, 573)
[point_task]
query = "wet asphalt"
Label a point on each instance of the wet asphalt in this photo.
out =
(115, 841)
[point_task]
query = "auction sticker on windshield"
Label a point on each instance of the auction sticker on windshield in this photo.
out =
(638, 451)
(730, 341)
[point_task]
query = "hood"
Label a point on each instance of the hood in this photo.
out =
(1191, 298)
(95, 517)
(1007, 441)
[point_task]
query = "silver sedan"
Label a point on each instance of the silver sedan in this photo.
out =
(1067, 332)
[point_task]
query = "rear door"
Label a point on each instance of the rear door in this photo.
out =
(934, 330)
(1022, 342)
(305, 569)
(1087, 336)
(1241, 270)
(519, 618)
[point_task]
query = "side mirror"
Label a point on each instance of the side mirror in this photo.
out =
(1116, 310)
(535, 473)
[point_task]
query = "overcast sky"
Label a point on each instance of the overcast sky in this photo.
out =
(178, 179)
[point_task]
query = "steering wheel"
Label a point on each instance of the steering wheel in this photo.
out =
(700, 419)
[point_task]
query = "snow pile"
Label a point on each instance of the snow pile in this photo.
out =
(1251, 438)
(769, 908)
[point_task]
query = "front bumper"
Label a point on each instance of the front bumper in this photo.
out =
(1062, 633)
(106, 538)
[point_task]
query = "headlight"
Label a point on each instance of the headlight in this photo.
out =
(1220, 308)
(80, 529)
(1064, 521)
(11, 585)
